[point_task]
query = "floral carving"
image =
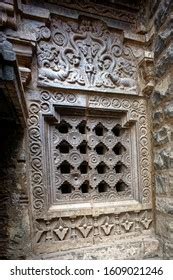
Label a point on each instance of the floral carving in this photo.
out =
(84, 54)
(89, 227)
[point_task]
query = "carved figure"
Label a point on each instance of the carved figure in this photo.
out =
(90, 70)
(127, 83)
(105, 64)
(74, 73)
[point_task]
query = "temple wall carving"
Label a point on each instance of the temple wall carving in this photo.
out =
(86, 54)
(94, 178)
(90, 163)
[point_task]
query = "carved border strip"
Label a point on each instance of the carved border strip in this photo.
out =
(90, 229)
(35, 146)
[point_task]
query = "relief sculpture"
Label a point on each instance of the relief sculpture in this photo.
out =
(85, 54)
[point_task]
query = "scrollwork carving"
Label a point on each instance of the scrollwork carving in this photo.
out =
(84, 54)
(35, 146)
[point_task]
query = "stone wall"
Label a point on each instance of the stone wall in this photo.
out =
(14, 230)
(14, 225)
(162, 111)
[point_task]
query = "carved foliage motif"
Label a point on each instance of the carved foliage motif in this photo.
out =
(84, 227)
(84, 54)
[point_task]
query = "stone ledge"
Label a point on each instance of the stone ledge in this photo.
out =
(143, 247)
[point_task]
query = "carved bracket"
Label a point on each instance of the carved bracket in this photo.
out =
(147, 76)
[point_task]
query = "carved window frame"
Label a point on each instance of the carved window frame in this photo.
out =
(133, 118)
(42, 113)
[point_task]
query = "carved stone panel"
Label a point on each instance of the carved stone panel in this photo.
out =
(58, 234)
(90, 169)
(86, 54)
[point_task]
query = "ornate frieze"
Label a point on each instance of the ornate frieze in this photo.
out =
(124, 16)
(60, 229)
(85, 54)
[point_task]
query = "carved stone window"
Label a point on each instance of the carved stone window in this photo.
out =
(89, 139)
(90, 169)
(92, 159)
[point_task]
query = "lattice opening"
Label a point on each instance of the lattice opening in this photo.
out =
(84, 167)
(66, 188)
(102, 187)
(99, 129)
(120, 167)
(101, 149)
(119, 149)
(92, 157)
(64, 147)
(82, 127)
(65, 167)
(63, 127)
(121, 186)
(83, 147)
(85, 187)
(101, 168)
(117, 130)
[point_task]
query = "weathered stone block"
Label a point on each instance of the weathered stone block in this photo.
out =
(164, 159)
(171, 181)
(135, 248)
(161, 136)
(164, 37)
(168, 250)
(161, 182)
(161, 160)
(158, 117)
(169, 110)
(165, 62)
(162, 12)
(156, 98)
